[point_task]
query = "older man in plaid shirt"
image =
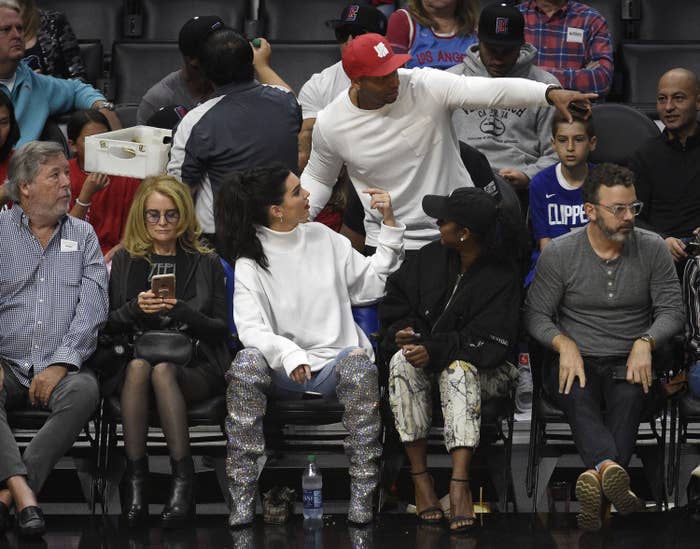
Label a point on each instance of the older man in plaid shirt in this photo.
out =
(573, 43)
(53, 299)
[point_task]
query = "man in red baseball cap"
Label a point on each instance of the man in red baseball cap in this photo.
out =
(392, 129)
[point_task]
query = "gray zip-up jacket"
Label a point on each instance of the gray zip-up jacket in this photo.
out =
(510, 138)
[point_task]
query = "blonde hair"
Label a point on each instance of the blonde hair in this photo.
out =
(466, 13)
(138, 242)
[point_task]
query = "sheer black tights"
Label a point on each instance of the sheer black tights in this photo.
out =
(173, 387)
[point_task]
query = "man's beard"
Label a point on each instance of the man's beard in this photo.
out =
(614, 235)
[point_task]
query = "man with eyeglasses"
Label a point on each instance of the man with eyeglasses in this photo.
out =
(53, 300)
(603, 298)
(323, 87)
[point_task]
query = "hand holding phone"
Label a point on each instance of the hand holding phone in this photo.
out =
(163, 286)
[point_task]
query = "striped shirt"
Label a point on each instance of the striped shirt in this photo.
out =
(574, 36)
(53, 300)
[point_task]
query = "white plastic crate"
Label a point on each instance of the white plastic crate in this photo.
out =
(139, 151)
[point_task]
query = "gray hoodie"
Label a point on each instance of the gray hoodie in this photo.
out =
(510, 138)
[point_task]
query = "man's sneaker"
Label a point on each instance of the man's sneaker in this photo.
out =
(616, 487)
(589, 493)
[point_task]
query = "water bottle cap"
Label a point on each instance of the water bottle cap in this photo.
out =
(311, 457)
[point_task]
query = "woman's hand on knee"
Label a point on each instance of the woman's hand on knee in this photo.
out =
(416, 355)
(301, 373)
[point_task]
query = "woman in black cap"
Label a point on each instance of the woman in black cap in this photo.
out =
(451, 316)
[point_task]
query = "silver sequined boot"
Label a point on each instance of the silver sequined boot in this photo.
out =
(248, 378)
(358, 391)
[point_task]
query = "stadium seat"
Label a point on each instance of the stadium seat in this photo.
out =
(677, 20)
(302, 21)
(620, 130)
(643, 63)
(136, 66)
(164, 18)
(295, 63)
(88, 23)
(610, 10)
(92, 52)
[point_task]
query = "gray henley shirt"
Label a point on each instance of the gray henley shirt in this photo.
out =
(604, 305)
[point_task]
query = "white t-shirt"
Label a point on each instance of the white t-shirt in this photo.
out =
(322, 88)
(298, 310)
(408, 147)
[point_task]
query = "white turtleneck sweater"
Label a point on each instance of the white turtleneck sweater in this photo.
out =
(298, 310)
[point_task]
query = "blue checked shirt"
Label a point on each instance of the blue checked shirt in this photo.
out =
(53, 300)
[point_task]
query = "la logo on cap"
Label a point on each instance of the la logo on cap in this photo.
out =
(501, 25)
(381, 50)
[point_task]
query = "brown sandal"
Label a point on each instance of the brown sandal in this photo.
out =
(423, 516)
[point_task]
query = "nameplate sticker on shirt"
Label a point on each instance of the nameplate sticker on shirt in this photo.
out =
(574, 35)
(68, 245)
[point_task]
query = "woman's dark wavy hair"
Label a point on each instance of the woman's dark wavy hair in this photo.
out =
(242, 204)
(13, 136)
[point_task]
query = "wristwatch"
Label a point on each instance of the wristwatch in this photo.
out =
(549, 89)
(105, 105)
(649, 339)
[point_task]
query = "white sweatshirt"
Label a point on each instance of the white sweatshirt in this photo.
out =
(298, 310)
(408, 147)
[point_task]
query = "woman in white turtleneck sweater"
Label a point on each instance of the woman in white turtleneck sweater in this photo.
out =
(294, 288)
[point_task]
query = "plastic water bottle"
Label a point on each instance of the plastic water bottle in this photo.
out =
(312, 486)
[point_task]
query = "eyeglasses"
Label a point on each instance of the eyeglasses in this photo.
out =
(618, 210)
(153, 216)
(343, 33)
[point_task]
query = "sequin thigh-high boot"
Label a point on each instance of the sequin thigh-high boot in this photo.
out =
(248, 379)
(358, 391)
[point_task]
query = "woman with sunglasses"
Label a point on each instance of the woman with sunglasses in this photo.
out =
(436, 33)
(162, 238)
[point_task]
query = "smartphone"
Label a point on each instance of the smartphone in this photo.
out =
(619, 373)
(163, 285)
(578, 108)
(692, 248)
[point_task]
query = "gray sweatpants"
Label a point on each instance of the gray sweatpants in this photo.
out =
(71, 404)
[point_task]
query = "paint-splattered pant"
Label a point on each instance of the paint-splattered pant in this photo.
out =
(410, 395)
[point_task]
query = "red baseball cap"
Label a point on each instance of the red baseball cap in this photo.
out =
(371, 55)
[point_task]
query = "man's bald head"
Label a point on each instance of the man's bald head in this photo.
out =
(678, 102)
(679, 75)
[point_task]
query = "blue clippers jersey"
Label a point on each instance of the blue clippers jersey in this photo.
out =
(554, 210)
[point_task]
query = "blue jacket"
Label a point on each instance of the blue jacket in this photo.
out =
(38, 96)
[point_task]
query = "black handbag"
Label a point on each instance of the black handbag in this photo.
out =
(157, 346)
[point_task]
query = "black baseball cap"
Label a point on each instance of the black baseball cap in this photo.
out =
(469, 207)
(502, 25)
(195, 32)
(368, 18)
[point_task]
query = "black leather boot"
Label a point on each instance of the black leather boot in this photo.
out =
(134, 491)
(180, 507)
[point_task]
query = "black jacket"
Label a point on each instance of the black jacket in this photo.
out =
(668, 182)
(479, 326)
(201, 294)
